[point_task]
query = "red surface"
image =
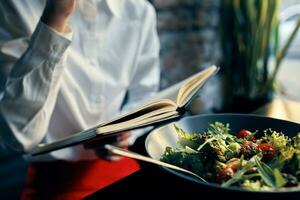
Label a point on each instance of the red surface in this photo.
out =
(74, 180)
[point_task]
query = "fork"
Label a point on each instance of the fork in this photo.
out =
(130, 154)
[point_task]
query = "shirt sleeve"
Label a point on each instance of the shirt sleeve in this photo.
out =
(29, 94)
(145, 81)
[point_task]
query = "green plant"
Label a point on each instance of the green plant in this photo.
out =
(251, 46)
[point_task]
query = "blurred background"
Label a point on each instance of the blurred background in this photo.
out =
(193, 33)
(289, 74)
(190, 39)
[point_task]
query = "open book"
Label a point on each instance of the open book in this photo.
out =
(167, 105)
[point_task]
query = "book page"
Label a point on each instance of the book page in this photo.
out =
(144, 110)
(188, 90)
(172, 91)
(134, 123)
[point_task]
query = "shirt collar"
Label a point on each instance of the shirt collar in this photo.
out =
(115, 7)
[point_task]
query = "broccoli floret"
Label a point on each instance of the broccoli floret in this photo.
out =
(296, 142)
(235, 147)
(284, 146)
(278, 140)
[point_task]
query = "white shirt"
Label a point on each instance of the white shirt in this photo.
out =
(54, 85)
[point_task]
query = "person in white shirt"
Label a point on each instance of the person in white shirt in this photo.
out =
(66, 66)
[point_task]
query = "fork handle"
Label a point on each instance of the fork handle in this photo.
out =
(126, 153)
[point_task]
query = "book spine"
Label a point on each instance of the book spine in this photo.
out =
(181, 110)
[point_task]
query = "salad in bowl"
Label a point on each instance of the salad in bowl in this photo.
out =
(260, 160)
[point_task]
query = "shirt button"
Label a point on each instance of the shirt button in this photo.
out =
(55, 47)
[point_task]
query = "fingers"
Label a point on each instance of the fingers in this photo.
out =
(122, 144)
(122, 137)
(112, 157)
(57, 12)
(121, 141)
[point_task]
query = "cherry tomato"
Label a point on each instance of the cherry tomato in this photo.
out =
(249, 149)
(224, 174)
(267, 150)
(245, 133)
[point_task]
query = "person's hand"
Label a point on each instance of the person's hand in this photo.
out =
(57, 12)
(121, 140)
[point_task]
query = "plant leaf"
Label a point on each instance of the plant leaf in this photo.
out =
(266, 173)
(279, 180)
